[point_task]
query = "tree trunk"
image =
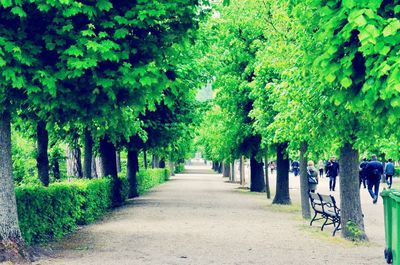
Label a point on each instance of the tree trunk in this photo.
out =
(56, 169)
(219, 166)
(305, 204)
(132, 169)
(88, 155)
(11, 242)
(350, 204)
(145, 159)
(226, 170)
(233, 171)
(99, 167)
(267, 188)
(155, 161)
(172, 168)
(257, 183)
(109, 168)
(161, 164)
(94, 168)
(241, 170)
(282, 175)
(118, 157)
(42, 159)
(74, 162)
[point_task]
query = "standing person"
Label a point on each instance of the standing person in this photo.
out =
(332, 171)
(374, 171)
(362, 173)
(321, 168)
(389, 172)
(295, 167)
(312, 176)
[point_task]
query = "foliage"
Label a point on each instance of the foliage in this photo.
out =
(151, 177)
(179, 168)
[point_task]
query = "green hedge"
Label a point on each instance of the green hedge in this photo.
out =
(50, 213)
(149, 178)
(179, 168)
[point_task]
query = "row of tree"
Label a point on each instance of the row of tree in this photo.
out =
(114, 74)
(304, 79)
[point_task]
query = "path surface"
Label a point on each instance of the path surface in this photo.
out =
(197, 218)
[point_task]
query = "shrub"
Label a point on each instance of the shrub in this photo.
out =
(149, 178)
(50, 213)
(179, 168)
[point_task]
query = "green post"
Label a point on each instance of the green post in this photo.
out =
(387, 207)
(395, 231)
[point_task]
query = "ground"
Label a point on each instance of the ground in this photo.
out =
(199, 218)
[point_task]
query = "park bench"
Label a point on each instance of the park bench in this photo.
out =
(325, 206)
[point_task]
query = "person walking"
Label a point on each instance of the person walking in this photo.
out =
(332, 171)
(321, 168)
(296, 168)
(362, 173)
(389, 173)
(374, 171)
(312, 176)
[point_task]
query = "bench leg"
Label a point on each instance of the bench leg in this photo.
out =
(313, 219)
(326, 221)
(337, 228)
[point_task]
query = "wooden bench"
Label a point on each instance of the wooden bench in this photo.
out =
(325, 206)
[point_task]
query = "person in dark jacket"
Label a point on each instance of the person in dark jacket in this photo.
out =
(295, 167)
(374, 171)
(362, 174)
(389, 172)
(332, 171)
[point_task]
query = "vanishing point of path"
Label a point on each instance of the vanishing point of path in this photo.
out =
(197, 218)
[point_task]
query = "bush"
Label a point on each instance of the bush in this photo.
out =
(179, 168)
(50, 213)
(149, 178)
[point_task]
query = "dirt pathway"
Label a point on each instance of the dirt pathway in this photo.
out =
(197, 218)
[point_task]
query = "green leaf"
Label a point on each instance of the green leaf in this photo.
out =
(392, 28)
(104, 5)
(346, 82)
(6, 3)
(18, 11)
(121, 33)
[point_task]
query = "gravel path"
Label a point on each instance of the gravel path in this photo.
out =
(197, 218)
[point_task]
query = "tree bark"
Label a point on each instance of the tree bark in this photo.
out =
(118, 157)
(132, 169)
(145, 158)
(42, 159)
(99, 167)
(11, 242)
(257, 183)
(267, 188)
(282, 179)
(74, 162)
(88, 155)
(241, 170)
(226, 170)
(109, 168)
(233, 171)
(56, 168)
(350, 204)
(155, 161)
(161, 164)
(305, 204)
(172, 168)
(94, 168)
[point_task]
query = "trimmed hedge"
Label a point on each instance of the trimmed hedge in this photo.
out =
(179, 168)
(50, 213)
(149, 178)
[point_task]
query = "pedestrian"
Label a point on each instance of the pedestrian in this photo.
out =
(295, 167)
(312, 176)
(332, 171)
(389, 172)
(374, 171)
(321, 168)
(272, 166)
(362, 174)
